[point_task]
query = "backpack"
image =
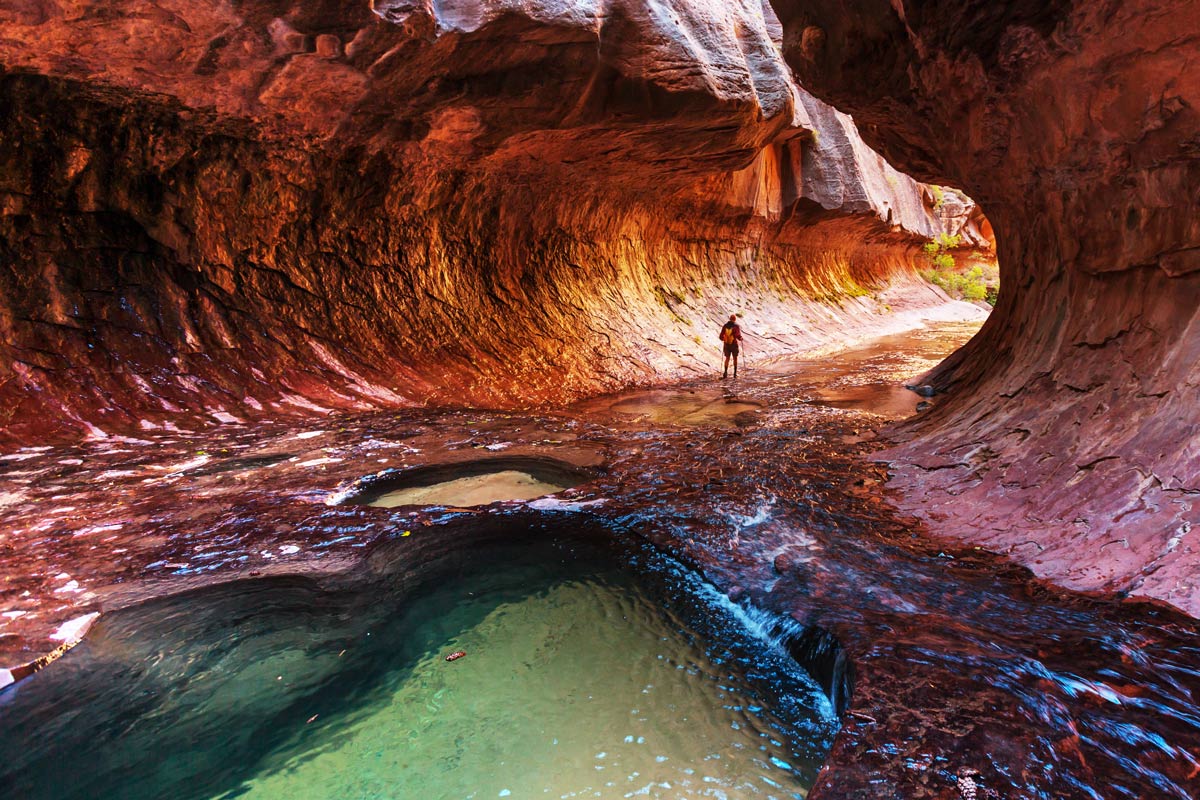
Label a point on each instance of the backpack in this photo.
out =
(727, 334)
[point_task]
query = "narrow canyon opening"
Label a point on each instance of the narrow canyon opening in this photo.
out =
(293, 293)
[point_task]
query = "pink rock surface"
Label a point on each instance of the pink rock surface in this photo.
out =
(1069, 436)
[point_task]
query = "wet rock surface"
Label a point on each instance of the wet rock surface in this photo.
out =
(958, 659)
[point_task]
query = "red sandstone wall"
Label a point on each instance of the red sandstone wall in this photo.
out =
(1069, 436)
(208, 216)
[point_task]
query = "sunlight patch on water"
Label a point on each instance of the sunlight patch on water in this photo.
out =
(473, 490)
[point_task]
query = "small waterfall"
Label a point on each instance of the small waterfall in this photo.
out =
(775, 629)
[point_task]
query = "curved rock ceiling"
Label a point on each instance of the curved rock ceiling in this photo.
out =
(220, 212)
(216, 211)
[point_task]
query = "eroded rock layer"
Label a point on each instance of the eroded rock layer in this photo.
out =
(212, 214)
(1070, 438)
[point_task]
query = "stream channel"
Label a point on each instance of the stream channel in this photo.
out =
(714, 599)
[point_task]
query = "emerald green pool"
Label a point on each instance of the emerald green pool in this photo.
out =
(585, 675)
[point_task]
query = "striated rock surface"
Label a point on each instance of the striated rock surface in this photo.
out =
(1069, 435)
(212, 214)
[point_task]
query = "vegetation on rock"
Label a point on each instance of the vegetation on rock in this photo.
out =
(975, 281)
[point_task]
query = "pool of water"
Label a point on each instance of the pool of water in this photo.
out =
(883, 399)
(872, 377)
(469, 483)
(586, 674)
(690, 408)
(473, 490)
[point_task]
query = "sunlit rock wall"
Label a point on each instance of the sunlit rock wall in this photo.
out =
(210, 213)
(1070, 435)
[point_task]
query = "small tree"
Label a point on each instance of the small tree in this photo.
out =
(970, 285)
(939, 196)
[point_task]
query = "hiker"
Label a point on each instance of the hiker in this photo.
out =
(731, 337)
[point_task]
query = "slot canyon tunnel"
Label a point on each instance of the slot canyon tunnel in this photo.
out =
(225, 224)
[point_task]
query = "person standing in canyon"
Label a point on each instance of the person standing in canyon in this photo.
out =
(731, 339)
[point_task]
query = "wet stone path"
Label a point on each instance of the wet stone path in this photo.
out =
(966, 676)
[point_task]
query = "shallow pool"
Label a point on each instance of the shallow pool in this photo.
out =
(690, 408)
(469, 483)
(586, 674)
(472, 490)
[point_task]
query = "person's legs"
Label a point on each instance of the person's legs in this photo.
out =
(735, 358)
(726, 375)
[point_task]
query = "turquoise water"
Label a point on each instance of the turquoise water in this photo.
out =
(582, 677)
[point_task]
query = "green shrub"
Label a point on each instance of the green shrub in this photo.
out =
(947, 241)
(854, 290)
(938, 249)
(668, 297)
(970, 285)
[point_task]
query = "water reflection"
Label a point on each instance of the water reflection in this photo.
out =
(693, 407)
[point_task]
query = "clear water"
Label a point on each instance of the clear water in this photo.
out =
(694, 408)
(473, 490)
(583, 678)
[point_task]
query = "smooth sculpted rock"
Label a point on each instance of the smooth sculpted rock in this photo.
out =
(1068, 436)
(350, 69)
(214, 213)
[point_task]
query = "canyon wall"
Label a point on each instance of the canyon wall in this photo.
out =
(209, 213)
(1069, 435)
